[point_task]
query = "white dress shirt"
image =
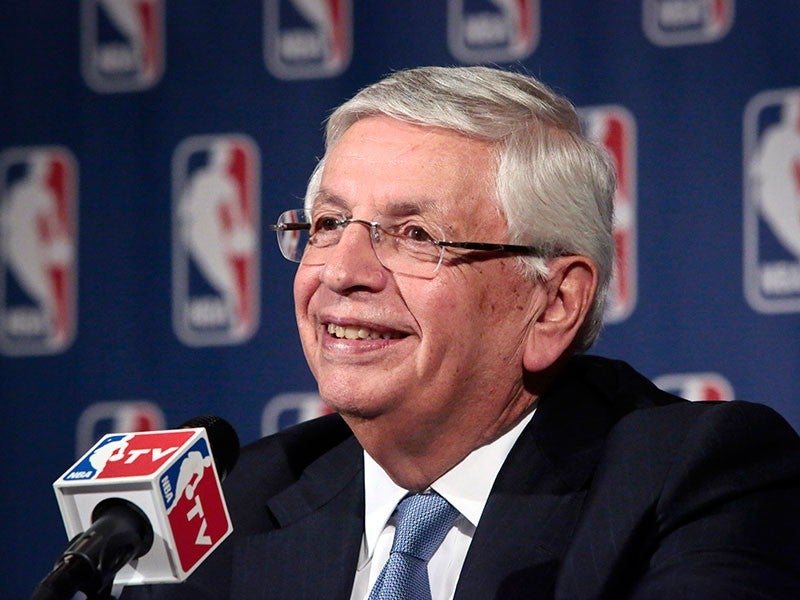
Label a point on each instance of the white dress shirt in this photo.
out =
(466, 486)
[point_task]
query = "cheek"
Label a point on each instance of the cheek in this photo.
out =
(452, 314)
(505, 308)
(303, 291)
(492, 292)
(433, 301)
(305, 283)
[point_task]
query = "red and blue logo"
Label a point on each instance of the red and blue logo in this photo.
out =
(686, 22)
(307, 39)
(194, 503)
(101, 418)
(291, 408)
(122, 44)
(696, 387)
(129, 455)
(39, 234)
(614, 128)
(216, 240)
(481, 31)
(772, 201)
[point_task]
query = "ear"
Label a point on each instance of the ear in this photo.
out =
(570, 289)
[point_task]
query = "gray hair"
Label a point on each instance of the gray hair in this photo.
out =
(554, 187)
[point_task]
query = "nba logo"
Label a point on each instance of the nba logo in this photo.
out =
(686, 22)
(122, 44)
(38, 224)
(101, 418)
(215, 240)
(195, 506)
(614, 128)
(697, 387)
(285, 410)
(306, 39)
(129, 454)
(492, 30)
(772, 201)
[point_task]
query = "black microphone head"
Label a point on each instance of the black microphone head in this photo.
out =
(223, 439)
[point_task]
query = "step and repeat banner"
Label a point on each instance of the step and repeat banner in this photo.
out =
(146, 144)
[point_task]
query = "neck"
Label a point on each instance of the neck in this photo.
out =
(415, 455)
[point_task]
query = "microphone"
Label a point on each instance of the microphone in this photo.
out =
(143, 507)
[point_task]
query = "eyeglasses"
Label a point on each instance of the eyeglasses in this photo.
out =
(404, 245)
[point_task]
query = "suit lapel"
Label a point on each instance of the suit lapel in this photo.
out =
(313, 552)
(538, 496)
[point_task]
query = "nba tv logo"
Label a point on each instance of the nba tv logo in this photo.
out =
(306, 39)
(114, 416)
(195, 505)
(686, 22)
(492, 30)
(122, 44)
(215, 240)
(772, 201)
(614, 128)
(38, 270)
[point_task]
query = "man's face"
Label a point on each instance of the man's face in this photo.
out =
(440, 353)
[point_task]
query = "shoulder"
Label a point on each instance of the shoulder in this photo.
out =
(711, 448)
(693, 498)
(650, 440)
(632, 402)
(296, 447)
(270, 465)
(706, 427)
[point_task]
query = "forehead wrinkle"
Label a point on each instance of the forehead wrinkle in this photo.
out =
(421, 206)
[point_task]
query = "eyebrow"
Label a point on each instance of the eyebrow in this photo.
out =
(324, 197)
(412, 207)
(399, 208)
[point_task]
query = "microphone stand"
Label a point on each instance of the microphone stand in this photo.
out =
(120, 532)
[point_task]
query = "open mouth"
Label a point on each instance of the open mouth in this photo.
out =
(351, 332)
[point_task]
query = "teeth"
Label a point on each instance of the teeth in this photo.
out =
(356, 333)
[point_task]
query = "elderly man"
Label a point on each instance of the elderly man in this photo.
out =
(454, 252)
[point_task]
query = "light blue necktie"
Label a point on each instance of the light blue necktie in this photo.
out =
(423, 521)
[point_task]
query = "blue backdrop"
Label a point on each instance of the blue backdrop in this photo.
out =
(145, 144)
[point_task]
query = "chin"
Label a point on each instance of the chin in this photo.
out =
(354, 410)
(353, 405)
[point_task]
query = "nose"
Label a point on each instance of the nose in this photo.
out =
(352, 264)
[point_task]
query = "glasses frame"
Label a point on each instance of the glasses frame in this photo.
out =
(375, 227)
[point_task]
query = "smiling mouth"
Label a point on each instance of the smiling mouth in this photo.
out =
(360, 333)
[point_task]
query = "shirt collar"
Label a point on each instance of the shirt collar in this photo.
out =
(466, 486)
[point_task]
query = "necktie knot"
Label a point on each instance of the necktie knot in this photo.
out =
(423, 521)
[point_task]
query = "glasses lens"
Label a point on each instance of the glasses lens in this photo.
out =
(402, 246)
(306, 237)
(408, 247)
(292, 240)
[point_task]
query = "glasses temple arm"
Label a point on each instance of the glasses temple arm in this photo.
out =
(489, 247)
(289, 226)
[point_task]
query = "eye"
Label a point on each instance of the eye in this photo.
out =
(326, 222)
(415, 233)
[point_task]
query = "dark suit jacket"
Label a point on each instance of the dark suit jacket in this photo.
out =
(615, 490)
